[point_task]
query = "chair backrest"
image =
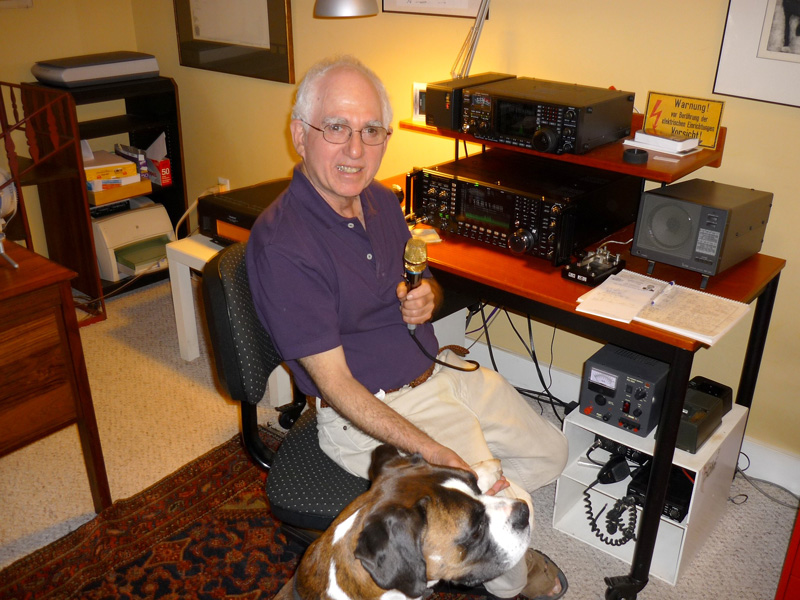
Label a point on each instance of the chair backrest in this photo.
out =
(243, 350)
(306, 489)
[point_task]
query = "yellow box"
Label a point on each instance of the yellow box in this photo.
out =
(120, 193)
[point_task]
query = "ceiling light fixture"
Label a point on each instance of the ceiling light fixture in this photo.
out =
(345, 8)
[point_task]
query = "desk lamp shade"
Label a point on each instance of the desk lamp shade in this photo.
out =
(345, 8)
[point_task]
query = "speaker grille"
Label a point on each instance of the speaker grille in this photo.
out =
(668, 225)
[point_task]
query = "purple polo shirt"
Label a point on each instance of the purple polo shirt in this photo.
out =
(320, 281)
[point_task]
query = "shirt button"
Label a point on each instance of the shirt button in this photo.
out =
(369, 256)
(351, 225)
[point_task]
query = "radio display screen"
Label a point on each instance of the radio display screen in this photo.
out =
(481, 205)
(515, 118)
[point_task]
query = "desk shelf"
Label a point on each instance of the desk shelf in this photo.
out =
(607, 157)
(712, 469)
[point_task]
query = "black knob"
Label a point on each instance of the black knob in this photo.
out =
(545, 140)
(600, 400)
(521, 241)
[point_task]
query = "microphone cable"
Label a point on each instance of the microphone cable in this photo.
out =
(475, 364)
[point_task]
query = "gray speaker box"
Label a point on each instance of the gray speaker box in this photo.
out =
(701, 225)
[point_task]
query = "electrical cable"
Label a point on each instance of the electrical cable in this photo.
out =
(754, 480)
(475, 364)
(488, 341)
(550, 398)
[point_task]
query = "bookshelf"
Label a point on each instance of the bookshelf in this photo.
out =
(41, 135)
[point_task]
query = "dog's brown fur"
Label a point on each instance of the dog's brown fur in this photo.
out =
(405, 532)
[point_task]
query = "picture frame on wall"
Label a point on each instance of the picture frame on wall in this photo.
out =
(251, 38)
(449, 8)
(760, 54)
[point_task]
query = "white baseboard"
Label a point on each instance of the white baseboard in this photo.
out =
(766, 463)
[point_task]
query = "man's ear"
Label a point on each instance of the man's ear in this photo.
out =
(298, 132)
(390, 549)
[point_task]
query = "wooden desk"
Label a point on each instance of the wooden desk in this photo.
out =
(533, 287)
(45, 387)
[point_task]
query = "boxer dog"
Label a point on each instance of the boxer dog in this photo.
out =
(417, 524)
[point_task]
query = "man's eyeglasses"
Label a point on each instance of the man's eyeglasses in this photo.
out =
(338, 133)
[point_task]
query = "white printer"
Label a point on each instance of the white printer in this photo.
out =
(132, 242)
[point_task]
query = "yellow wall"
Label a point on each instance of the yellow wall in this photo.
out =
(235, 127)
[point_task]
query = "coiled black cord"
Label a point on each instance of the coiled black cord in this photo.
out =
(613, 519)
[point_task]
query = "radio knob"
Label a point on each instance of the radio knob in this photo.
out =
(545, 140)
(521, 241)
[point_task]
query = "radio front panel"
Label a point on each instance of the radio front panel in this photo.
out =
(524, 204)
(546, 116)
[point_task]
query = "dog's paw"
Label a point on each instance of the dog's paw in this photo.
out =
(488, 472)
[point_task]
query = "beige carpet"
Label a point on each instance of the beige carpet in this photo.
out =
(156, 412)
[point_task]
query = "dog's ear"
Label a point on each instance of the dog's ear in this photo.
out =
(380, 456)
(390, 549)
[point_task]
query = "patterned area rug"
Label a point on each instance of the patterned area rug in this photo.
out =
(204, 532)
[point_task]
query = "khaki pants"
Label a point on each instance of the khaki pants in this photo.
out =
(477, 414)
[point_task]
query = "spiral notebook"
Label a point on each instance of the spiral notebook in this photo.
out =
(628, 296)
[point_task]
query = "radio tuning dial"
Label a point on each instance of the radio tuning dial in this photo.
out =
(522, 240)
(545, 139)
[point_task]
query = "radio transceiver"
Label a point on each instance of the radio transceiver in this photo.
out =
(532, 205)
(547, 116)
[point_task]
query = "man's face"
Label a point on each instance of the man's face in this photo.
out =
(339, 172)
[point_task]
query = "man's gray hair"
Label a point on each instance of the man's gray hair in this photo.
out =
(307, 90)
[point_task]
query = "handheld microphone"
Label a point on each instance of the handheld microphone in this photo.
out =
(415, 259)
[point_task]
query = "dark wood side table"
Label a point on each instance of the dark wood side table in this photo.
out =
(42, 369)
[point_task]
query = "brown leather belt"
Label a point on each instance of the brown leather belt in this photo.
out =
(460, 350)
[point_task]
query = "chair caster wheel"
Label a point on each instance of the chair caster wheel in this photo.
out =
(289, 413)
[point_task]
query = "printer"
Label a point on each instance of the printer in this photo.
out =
(132, 242)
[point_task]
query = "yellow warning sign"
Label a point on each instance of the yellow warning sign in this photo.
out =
(681, 115)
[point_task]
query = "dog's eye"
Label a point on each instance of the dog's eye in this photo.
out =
(478, 528)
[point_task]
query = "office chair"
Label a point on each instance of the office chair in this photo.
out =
(305, 488)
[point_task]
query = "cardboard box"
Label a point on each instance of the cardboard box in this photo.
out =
(158, 168)
(120, 193)
(107, 165)
(159, 171)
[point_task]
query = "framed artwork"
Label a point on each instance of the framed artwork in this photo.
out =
(760, 54)
(252, 38)
(450, 8)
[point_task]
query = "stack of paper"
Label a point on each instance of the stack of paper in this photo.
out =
(628, 296)
(675, 144)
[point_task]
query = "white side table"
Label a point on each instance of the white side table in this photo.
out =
(190, 253)
(184, 255)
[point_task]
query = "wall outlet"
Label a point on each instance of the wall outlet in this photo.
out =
(223, 184)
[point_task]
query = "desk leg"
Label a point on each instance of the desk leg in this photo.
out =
(666, 436)
(180, 279)
(756, 343)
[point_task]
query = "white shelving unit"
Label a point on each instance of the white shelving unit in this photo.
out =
(712, 469)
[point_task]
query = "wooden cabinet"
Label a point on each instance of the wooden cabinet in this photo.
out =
(51, 160)
(45, 386)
